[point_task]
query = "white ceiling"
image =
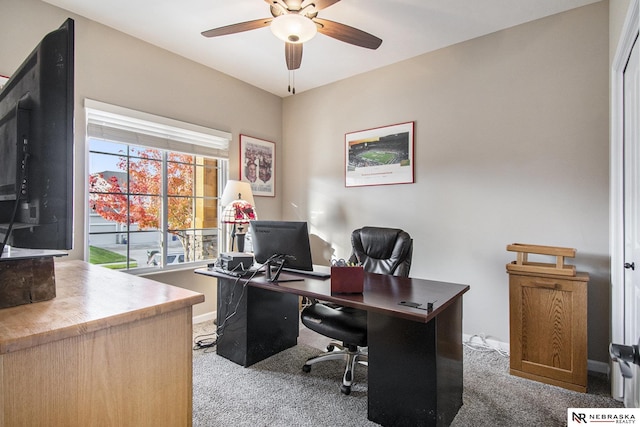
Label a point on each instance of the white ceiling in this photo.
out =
(408, 28)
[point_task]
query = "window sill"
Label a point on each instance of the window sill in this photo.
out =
(151, 271)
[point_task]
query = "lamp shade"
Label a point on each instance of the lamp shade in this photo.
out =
(238, 212)
(293, 28)
(235, 190)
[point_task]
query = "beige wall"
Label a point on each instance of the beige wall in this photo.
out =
(118, 69)
(511, 145)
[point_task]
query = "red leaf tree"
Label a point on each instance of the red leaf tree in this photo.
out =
(138, 199)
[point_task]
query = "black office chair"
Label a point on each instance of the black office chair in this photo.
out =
(378, 250)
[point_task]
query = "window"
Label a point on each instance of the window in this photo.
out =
(151, 207)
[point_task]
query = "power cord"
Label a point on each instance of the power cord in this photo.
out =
(204, 341)
(306, 302)
(483, 345)
(207, 341)
(23, 186)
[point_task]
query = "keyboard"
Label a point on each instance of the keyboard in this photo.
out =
(319, 271)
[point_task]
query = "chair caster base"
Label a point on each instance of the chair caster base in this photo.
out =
(350, 353)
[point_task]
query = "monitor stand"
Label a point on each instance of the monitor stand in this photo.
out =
(27, 276)
(274, 263)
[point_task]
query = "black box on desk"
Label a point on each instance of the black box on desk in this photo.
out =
(236, 261)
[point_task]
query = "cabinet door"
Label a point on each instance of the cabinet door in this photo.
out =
(548, 327)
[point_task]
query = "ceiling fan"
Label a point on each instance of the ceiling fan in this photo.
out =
(295, 22)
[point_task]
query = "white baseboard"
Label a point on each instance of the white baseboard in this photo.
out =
(599, 367)
(592, 365)
(206, 317)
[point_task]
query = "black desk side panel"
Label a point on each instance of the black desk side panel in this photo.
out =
(264, 323)
(415, 369)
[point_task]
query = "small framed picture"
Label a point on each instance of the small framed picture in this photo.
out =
(379, 156)
(258, 165)
(3, 80)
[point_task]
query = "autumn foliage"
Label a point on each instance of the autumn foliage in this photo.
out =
(138, 200)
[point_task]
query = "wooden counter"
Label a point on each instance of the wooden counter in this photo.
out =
(111, 349)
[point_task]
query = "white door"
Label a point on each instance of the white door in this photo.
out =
(631, 82)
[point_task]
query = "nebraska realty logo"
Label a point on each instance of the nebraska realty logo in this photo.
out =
(583, 416)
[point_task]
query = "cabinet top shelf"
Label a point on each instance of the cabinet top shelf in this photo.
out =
(542, 250)
(88, 298)
(523, 263)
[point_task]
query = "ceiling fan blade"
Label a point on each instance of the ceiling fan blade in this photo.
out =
(238, 28)
(293, 55)
(347, 34)
(321, 4)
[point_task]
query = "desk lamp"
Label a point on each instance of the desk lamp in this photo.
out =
(238, 210)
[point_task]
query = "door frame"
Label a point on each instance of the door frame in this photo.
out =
(616, 199)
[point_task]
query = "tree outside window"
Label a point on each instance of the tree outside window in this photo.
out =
(143, 199)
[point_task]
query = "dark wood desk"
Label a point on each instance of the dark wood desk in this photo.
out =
(415, 355)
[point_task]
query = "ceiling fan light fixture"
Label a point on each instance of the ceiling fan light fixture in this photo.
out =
(293, 28)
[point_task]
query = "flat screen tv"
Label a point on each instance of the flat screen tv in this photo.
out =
(287, 238)
(36, 147)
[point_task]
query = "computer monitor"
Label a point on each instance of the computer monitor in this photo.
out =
(36, 146)
(288, 238)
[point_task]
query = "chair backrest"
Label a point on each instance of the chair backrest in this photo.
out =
(382, 250)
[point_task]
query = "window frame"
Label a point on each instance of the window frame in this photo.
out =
(168, 136)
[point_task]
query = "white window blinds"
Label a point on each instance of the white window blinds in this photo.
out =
(119, 124)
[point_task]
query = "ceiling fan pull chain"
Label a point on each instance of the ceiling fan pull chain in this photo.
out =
(292, 82)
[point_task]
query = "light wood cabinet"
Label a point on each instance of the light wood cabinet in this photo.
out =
(548, 328)
(111, 349)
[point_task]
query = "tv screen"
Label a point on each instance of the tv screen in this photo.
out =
(36, 146)
(288, 238)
